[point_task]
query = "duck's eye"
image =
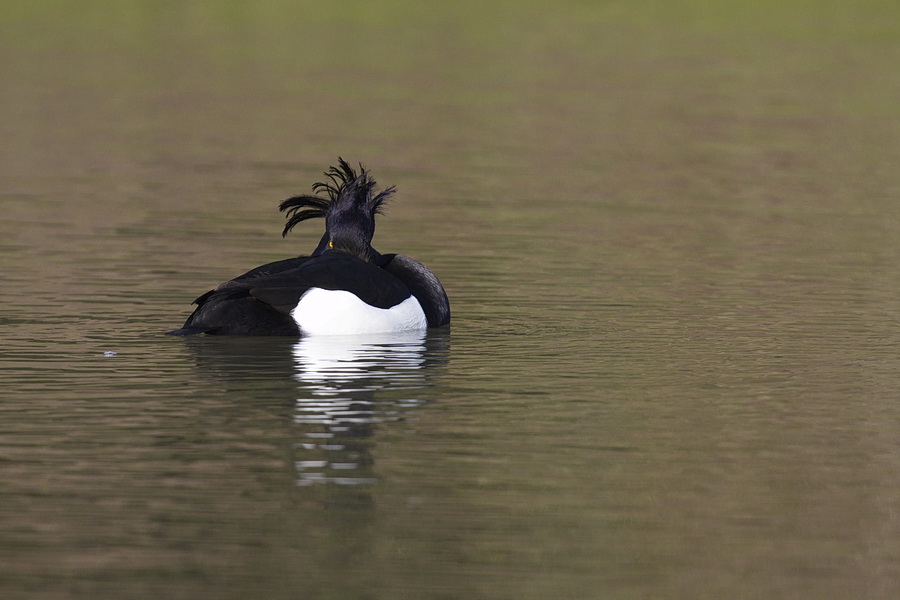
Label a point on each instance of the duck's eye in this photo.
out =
(331, 244)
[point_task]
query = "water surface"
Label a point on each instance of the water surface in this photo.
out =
(669, 235)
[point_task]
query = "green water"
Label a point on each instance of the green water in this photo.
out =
(669, 232)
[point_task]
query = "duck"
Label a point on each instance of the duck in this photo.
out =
(343, 287)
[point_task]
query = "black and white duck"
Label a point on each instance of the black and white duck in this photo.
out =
(343, 287)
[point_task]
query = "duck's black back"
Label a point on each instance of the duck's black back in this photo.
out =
(260, 301)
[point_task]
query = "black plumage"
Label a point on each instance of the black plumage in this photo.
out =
(260, 301)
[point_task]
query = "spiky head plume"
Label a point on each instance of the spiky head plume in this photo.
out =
(345, 192)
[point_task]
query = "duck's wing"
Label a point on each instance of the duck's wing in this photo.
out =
(330, 271)
(260, 272)
(260, 301)
(423, 284)
(230, 309)
(271, 269)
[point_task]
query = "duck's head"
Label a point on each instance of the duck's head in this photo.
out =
(349, 208)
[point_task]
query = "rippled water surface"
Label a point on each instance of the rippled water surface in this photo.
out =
(670, 235)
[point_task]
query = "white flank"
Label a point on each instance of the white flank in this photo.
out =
(337, 312)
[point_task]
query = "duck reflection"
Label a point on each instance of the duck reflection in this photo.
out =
(341, 390)
(352, 385)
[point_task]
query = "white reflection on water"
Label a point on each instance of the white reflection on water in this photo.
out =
(334, 361)
(350, 385)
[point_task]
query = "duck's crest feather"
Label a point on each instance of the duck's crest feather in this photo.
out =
(344, 185)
